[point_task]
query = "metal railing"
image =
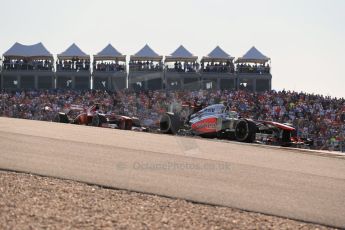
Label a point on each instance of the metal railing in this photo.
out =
(27, 67)
(253, 70)
(217, 69)
(72, 68)
(145, 67)
(109, 68)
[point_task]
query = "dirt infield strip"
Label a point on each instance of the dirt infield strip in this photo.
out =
(34, 202)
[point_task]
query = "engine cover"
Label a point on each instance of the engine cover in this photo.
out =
(205, 126)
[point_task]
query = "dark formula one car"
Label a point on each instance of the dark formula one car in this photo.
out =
(94, 117)
(216, 121)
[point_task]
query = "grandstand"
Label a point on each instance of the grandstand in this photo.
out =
(315, 117)
(34, 67)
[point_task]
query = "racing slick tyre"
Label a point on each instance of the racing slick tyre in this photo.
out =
(98, 120)
(169, 123)
(245, 131)
(286, 139)
(61, 118)
(136, 122)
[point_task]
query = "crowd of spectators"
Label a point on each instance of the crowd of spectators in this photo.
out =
(27, 64)
(224, 67)
(145, 66)
(314, 116)
(75, 64)
(186, 67)
(110, 66)
(255, 68)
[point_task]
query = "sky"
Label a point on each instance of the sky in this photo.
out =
(305, 39)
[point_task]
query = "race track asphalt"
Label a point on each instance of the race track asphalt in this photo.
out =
(293, 184)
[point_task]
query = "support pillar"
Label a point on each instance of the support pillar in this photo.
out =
(238, 83)
(145, 84)
(110, 86)
(129, 82)
(254, 84)
(270, 84)
(36, 82)
(54, 84)
(73, 82)
(2, 81)
(164, 81)
(19, 79)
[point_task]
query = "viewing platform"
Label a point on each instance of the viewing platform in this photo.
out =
(109, 69)
(146, 70)
(218, 71)
(73, 69)
(253, 71)
(27, 67)
(182, 70)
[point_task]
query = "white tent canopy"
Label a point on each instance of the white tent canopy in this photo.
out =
(28, 51)
(217, 54)
(181, 54)
(145, 54)
(109, 53)
(73, 51)
(253, 55)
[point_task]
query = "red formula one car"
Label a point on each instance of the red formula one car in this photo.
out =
(94, 117)
(216, 121)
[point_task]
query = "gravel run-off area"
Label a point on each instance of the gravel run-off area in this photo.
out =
(35, 202)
